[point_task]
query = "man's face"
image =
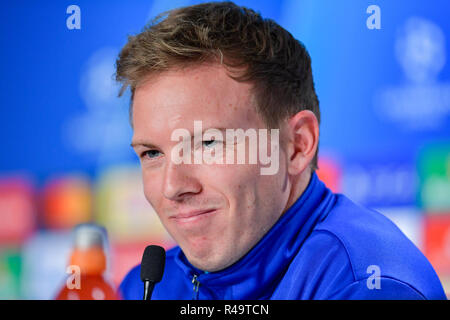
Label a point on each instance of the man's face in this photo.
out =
(215, 212)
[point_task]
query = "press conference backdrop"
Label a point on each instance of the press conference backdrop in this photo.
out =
(382, 74)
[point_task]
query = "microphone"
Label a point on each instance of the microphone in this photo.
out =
(152, 268)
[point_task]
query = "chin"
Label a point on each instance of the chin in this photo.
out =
(209, 266)
(209, 262)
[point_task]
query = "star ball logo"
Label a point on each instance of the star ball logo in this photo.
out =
(421, 101)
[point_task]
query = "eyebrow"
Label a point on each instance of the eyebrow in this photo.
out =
(149, 145)
(142, 143)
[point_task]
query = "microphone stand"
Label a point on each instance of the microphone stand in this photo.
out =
(148, 289)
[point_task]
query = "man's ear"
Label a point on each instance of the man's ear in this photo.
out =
(303, 139)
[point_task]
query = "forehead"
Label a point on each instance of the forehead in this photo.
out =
(176, 98)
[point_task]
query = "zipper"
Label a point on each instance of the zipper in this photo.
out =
(196, 284)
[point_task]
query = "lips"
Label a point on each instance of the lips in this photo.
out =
(189, 216)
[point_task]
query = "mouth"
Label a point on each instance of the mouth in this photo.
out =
(192, 216)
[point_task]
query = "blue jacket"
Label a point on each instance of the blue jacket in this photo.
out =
(323, 247)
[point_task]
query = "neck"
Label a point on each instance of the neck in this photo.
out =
(299, 184)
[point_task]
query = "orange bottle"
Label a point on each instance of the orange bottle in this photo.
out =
(87, 265)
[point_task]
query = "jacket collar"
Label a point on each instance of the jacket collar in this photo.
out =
(257, 273)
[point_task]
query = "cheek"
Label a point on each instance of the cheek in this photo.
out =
(267, 195)
(151, 189)
(232, 180)
(239, 185)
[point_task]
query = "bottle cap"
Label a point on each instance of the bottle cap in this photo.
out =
(88, 251)
(88, 235)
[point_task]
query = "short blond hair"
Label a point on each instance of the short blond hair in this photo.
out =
(269, 57)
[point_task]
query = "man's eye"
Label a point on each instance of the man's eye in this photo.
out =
(209, 143)
(151, 154)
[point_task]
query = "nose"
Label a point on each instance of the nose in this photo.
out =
(180, 182)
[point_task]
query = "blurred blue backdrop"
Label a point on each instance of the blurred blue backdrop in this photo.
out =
(384, 97)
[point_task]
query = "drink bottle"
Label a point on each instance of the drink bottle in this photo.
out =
(87, 266)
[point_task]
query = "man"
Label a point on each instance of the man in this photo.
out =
(207, 70)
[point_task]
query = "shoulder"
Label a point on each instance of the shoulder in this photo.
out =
(321, 267)
(375, 246)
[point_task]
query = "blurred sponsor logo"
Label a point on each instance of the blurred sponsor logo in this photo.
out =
(44, 260)
(122, 208)
(381, 184)
(67, 201)
(330, 173)
(17, 210)
(10, 265)
(437, 242)
(434, 173)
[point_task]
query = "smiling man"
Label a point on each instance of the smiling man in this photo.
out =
(242, 234)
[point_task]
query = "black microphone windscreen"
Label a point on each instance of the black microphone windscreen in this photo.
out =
(152, 265)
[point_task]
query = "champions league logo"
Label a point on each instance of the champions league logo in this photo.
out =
(420, 50)
(422, 102)
(99, 133)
